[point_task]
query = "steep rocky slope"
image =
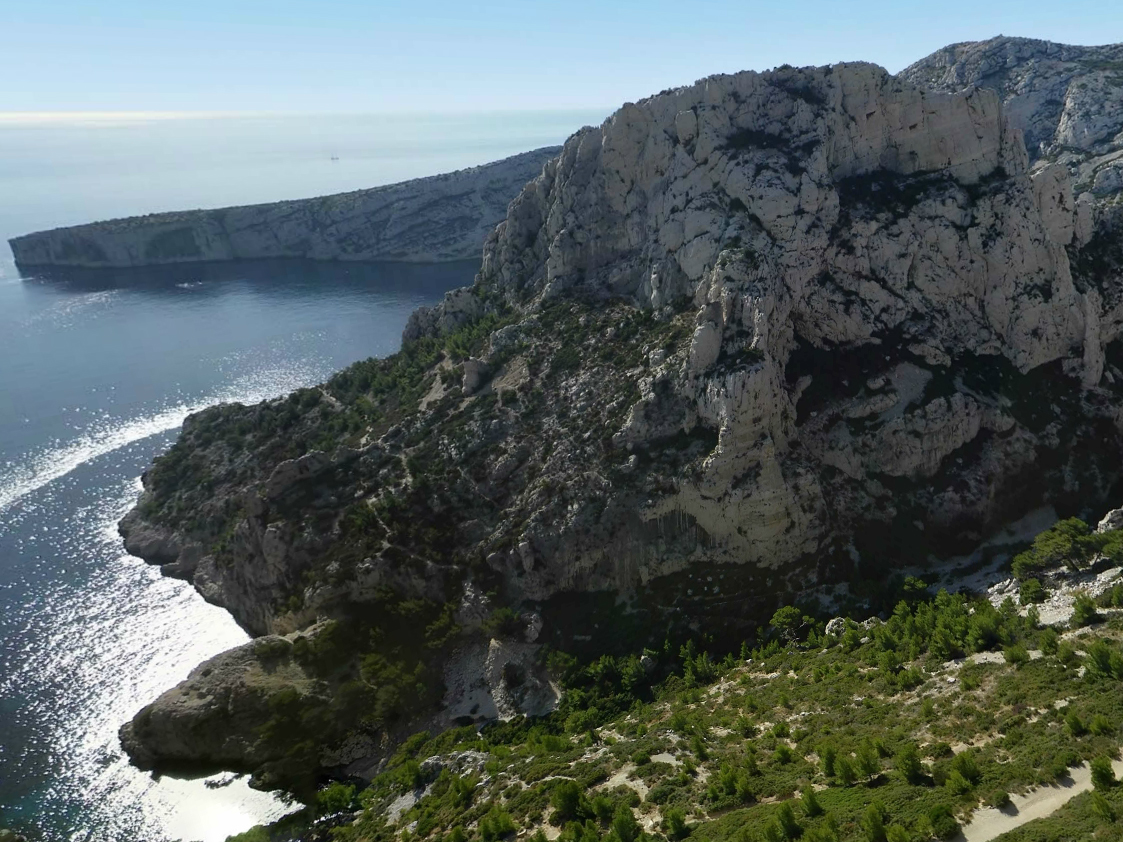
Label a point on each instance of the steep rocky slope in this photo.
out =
(749, 338)
(1068, 100)
(441, 218)
(1068, 103)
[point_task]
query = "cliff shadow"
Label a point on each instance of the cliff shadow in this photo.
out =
(297, 276)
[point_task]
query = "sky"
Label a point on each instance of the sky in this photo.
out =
(370, 56)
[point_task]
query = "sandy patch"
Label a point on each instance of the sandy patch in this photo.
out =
(988, 822)
(987, 658)
(622, 778)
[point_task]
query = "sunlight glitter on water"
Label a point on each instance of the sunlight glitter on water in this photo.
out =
(35, 470)
(99, 653)
(93, 385)
(101, 633)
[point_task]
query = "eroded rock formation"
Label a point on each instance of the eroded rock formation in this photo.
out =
(1066, 99)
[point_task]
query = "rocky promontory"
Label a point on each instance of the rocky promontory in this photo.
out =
(426, 220)
(769, 335)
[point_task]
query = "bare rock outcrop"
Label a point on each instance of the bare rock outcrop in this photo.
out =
(805, 215)
(1065, 98)
(1068, 102)
(216, 717)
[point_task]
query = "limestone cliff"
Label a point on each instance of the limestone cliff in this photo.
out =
(1067, 100)
(768, 332)
(1068, 103)
(428, 220)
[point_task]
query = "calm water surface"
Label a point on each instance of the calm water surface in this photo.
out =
(97, 372)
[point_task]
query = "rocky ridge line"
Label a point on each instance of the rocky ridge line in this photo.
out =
(1068, 100)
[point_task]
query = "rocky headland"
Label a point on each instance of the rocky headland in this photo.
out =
(426, 220)
(769, 335)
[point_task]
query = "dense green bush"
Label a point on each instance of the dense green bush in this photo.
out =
(504, 622)
(1111, 598)
(873, 822)
(1084, 611)
(1067, 542)
(1102, 807)
(674, 824)
(787, 621)
(335, 798)
(569, 803)
(828, 755)
(845, 771)
(1032, 592)
(909, 764)
(625, 828)
(496, 824)
(942, 820)
(254, 834)
(1101, 726)
(789, 824)
(1070, 542)
(1000, 799)
(1103, 776)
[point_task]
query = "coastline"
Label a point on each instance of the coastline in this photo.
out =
(437, 219)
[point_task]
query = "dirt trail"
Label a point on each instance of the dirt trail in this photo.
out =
(989, 823)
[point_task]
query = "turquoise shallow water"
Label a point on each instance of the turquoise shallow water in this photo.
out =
(97, 371)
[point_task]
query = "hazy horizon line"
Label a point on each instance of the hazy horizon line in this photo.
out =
(10, 118)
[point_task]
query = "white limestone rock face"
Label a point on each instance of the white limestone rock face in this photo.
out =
(830, 208)
(1111, 521)
(1067, 101)
(427, 220)
(1053, 195)
(630, 210)
(1108, 180)
(495, 679)
(214, 717)
(705, 347)
(458, 307)
(1060, 96)
(870, 278)
(474, 373)
(767, 330)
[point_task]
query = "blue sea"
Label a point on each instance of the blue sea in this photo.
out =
(97, 372)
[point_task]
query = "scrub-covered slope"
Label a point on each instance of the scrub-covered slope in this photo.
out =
(951, 714)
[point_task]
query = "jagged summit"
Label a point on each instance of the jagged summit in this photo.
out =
(803, 210)
(1067, 99)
